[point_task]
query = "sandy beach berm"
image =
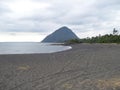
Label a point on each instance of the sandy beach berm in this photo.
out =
(84, 67)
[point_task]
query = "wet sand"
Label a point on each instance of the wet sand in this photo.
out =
(85, 67)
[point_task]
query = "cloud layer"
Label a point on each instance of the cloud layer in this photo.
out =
(86, 18)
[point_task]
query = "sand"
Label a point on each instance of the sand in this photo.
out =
(85, 67)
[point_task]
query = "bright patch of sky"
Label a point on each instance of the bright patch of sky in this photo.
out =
(21, 37)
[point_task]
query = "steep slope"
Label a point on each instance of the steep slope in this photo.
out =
(60, 35)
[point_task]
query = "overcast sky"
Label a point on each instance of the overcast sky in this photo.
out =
(34, 19)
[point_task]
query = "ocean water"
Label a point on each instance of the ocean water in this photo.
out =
(30, 48)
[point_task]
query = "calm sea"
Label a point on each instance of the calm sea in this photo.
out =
(30, 48)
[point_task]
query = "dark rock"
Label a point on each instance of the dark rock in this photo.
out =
(61, 35)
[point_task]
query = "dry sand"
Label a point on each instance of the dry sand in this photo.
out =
(85, 67)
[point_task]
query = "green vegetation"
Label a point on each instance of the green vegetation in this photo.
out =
(73, 41)
(108, 38)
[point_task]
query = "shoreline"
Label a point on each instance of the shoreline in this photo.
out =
(84, 67)
(32, 48)
(71, 45)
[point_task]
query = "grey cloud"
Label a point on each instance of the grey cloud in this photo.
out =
(94, 14)
(4, 9)
(81, 15)
(106, 3)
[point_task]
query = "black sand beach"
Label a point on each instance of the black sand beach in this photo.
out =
(85, 67)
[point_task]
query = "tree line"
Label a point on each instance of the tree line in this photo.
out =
(108, 38)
